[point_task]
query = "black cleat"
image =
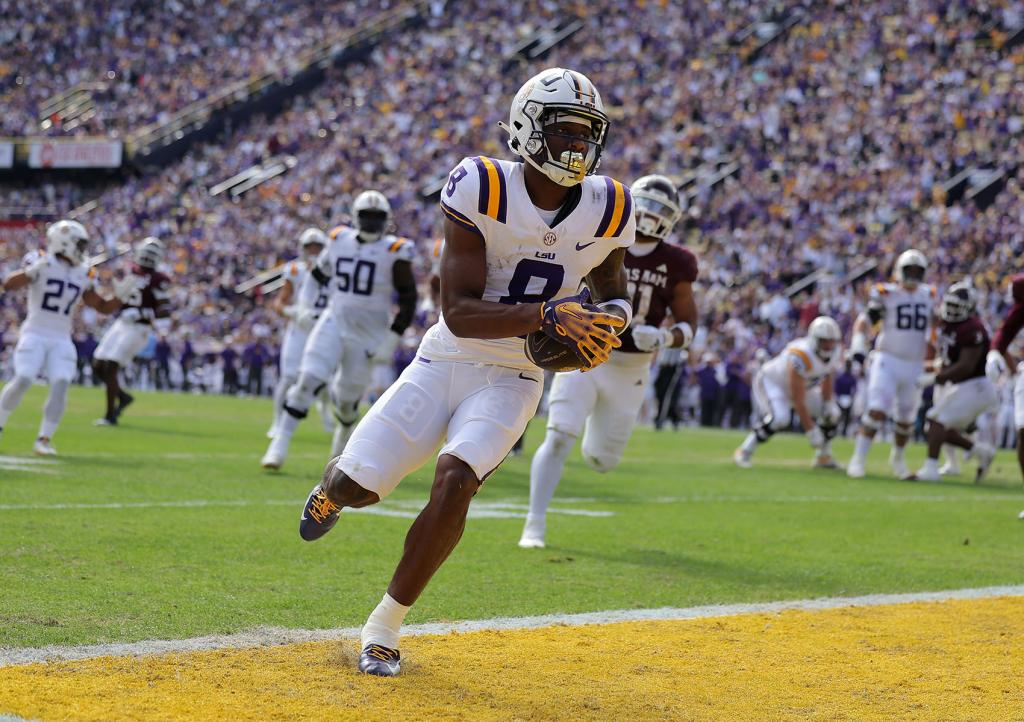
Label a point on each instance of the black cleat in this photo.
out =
(379, 661)
(318, 516)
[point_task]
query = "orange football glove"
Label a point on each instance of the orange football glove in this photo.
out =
(582, 326)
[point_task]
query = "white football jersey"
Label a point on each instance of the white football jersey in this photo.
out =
(361, 285)
(307, 292)
(907, 321)
(528, 261)
(799, 354)
(54, 295)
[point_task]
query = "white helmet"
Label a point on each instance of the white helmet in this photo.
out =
(958, 303)
(149, 252)
(552, 96)
(656, 202)
(68, 239)
(911, 259)
(824, 328)
(309, 237)
(371, 214)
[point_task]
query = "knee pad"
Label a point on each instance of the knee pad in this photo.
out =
(870, 422)
(829, 429)
(347, 412)
(904, 428)
(600, 463)
(300, 396)
(765, 428)
(561, 442)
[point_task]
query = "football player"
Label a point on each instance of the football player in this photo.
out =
(798, 379)
(963, 341)
(999, 360)
(905, 311)
(57, 282)
(519, 240)
(145, 295)
(604, 403)
(360, 267)
(301, 300)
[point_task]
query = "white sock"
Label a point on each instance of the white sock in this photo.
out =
(546, 471)
(862, 446)
(931, 466)
(383, 624)
(825, 450)
(898, 453)
(286, 425)
(11, 396)
(749, 444)
(53, 411)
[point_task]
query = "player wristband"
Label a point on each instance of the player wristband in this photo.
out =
(687, 331)
(626, 308)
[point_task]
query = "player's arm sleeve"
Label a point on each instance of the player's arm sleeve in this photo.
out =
(405, 286)
(162, 296)
(465, 201)
(875, 310)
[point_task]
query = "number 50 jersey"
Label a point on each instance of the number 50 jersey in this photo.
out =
(361, 284)
(528, 261)
(54, 295)
(907, 319)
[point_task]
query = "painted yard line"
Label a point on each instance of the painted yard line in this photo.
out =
(268, 636)
(27, 461)
(481, 510)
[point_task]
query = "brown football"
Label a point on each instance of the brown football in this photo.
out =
(551, 355)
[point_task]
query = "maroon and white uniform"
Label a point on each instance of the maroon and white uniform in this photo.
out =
(603, 404)
(1011, 326)
(962, 404)
(128, 335)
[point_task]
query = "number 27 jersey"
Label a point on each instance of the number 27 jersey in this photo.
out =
(54, 295)
(907, 321)
(528, 261)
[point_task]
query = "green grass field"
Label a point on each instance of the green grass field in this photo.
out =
(166, 527)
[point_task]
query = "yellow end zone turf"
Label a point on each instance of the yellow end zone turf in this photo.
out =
(921, 661)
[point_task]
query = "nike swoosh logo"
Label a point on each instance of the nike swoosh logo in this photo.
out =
(527, 378)
(581, 246)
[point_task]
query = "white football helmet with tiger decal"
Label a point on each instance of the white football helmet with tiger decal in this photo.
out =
(557, 95)
(68, 239)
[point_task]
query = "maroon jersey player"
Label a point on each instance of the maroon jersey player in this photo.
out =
(145, 293)
(962, 341)
(1000, 361)
(603, 404)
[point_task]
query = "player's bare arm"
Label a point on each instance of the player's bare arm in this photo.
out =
(963, 368)
(607, 281)
(798, 389)
(104, 305)
(284, 298)
(463, 275)
(16, 280)
(684, 310)
(404, 281)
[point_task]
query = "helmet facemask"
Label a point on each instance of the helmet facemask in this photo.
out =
(371, 224)
(656, 207)
(558, 154)
(957, 305)
(912, 276)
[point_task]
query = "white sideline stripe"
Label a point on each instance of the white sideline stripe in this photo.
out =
(482, 510)
(12, 718)
(271, 636)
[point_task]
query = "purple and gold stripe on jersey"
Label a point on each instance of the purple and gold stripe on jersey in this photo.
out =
(336, 231)
(493, 191)
(398, 243)
(617, 209)
(459, 219)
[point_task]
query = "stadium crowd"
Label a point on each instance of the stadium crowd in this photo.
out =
(843, 132)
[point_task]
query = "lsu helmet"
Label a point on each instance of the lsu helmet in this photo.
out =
(557, 95)
(958, 303)
(824, 328)
(906, 264)
(149, 252)
(312, 237)
(656, 201)
(371, 213)
(68, 239)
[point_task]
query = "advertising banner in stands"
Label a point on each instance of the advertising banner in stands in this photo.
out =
(74, 154)
(6, 154)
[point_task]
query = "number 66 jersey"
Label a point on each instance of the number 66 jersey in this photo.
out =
(907, 319)
(528, 260)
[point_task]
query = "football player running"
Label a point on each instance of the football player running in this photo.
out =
(905, 310)
(963, 341)
(798, 379)
(145, 294)
(302, 299)
(999, 360)
(57, 282)
(519, 240)
(361, 267)
(604, 403)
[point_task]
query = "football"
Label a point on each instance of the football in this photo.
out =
(550, 354)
